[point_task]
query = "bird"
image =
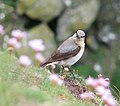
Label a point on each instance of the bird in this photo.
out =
(69, 52)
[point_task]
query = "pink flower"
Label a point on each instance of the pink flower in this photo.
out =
(55, 79)
(39, 57)
(100, 90)
(37, 45)
(101, 86)
(87, 95)
(24, 61)
(18, 34)
(102, 82)
(2, 31)
(109, 100)
(91, 82)
(12, 42)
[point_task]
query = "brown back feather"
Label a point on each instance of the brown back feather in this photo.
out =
(57, 56)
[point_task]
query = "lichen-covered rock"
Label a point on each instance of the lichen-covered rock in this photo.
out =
(80, 15)
(8, 18)
(23, 5)
(44, 10)
(9, 21)
(43, 32)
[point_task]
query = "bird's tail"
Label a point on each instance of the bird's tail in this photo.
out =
(43, 64)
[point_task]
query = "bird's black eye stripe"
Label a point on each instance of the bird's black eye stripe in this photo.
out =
(77, 35)
(82, 36)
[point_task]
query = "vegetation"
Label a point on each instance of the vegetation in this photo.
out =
(31, 86)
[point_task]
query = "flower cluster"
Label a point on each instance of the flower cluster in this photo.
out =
(55, 79)
(16, 42)
(17, 36)
(101, 86)
(37, 46)
(87, 95)
(12, 42)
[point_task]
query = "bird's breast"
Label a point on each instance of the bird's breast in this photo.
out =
(74, 59)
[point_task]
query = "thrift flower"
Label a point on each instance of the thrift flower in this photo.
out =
(39, 57)
(12, 42)
(55, 79)
(91, 82)
(18, 34)
(108, 100)
(24, 61)
(102, 82)
(101, 86)
(87, 95)
(37, 45)
(100, 90)
(2, 31)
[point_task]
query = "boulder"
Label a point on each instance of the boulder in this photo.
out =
(80, 15)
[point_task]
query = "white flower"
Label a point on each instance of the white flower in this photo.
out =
(39, 57)
(37, 45)
(100, 90)
(18, 34)
(109, 100)
(12, 42)
(91, 82)
(25, 61)
(55, 79)
(87, 95)
(2, 31)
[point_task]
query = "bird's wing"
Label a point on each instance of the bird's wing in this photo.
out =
(66, 47)
(58, 56)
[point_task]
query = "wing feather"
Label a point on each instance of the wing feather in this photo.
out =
(58, 56)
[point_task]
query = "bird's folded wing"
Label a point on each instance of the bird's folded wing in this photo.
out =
(58, 56)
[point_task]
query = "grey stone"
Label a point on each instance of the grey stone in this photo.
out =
(80, 15)
(23, 5)
(44, 10)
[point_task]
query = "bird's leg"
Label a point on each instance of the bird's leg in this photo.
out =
(71, 72)
(62, 69)
(69, 69)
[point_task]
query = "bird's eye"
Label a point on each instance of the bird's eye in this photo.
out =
(77, 35)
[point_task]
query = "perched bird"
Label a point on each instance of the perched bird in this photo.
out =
(69, 52)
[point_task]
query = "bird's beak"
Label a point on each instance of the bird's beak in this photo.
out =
(82, 36)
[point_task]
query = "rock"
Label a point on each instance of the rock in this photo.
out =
(80, 15)
(44, 10)
(23, 5)
(8, 18)
(43, 32)
(107, 35)
(109, 14)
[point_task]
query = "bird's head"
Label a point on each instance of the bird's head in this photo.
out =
(79, 35)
